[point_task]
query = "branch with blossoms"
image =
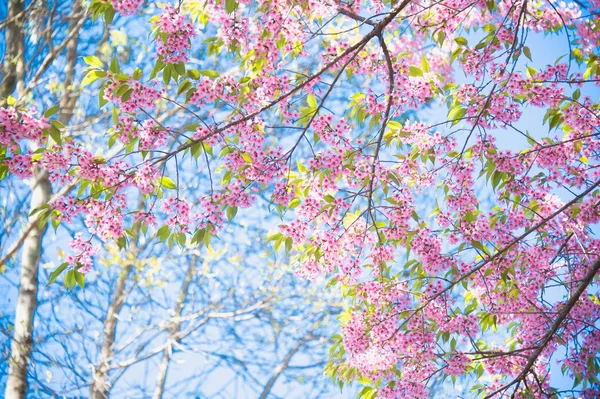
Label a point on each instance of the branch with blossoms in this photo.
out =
(317, 107)
(551, 334)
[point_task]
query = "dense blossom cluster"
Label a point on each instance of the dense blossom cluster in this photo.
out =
(17, 128)
(438, 234)
(140, 96)
(126, 7)
(20, 165)
(174, 36)
(81, 259)
(179, 214)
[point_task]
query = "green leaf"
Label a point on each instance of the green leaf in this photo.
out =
(478, 245)
(122, 242)
(70, 279)
(425, 64)
(394, 125)
(364, 380)
(80, 279)
(94, 61)
(230, 6)
(441, 37)
(231, 212)
(163, 233)
(159, 66)
(91, 77)
(456, 114)
(109, 14)
(114, 65)
(166, 182)
(122, 77)
(57, 124)
(115, 111)
(209, 73)
(489, 28)
(167, 74)
(496, 177)
(180, 238)
(414, 71)
(198, 237)
(274, 237)
(206, 239)
(527, 52)
(189, 94)
(127, 95)
(246, 157)
(55, 135)
(183, 86)
(137, 74)
(51, 111)
(101, 100)
(180, 68)
(38, 209)
(461, 41)
(312, 101)
(57, 272)
(555, 120)
(194, 74)
(455, 54)
(55, 223)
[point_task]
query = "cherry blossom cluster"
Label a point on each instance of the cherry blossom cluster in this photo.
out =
(174, 36)
(139, 96)
(179, 211)
(126, 7)
(82, 252)
(19, 127)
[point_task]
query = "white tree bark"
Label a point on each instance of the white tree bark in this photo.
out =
(173, 336)
(20, 349)
(41, 190)
(281, 367)
(13, 69)
(101, 385)
(22, 341)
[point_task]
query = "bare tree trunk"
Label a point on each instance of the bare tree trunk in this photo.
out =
(20, 348)
(173, 332)
(100, 385)
(13, 68)
(17, 384)
(281, 367)
(22, 341)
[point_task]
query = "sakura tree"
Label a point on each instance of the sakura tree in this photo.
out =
(460, 257)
